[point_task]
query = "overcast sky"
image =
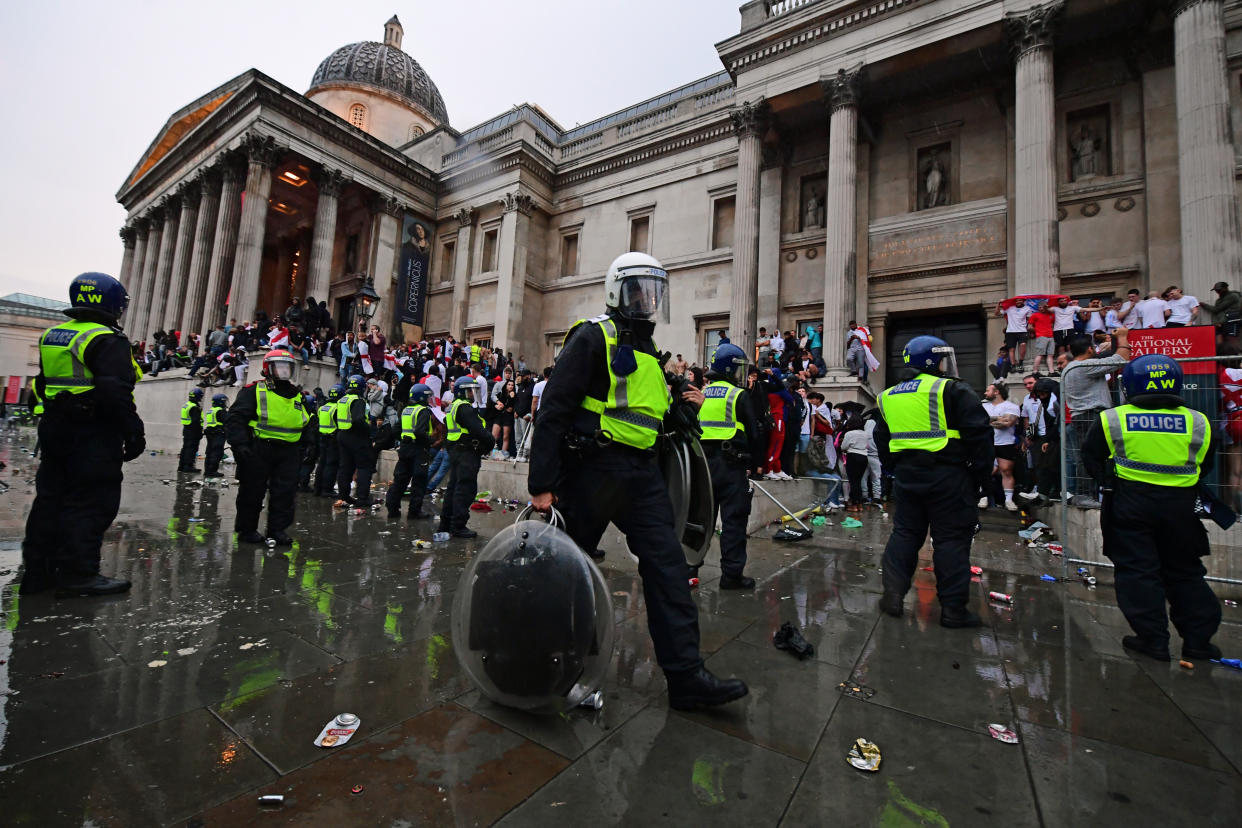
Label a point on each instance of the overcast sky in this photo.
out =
(88, 85)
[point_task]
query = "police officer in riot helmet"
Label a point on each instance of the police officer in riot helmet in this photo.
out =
(413, 454)
(329, 453)
(593, 454)
(1150, 454)
(731, 441)
(191, 430)
(90, 426)
(264, 428)
(935, 435)
(353, 440)
(468, 440)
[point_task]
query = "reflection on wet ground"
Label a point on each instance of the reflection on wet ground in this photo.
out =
(186, 700)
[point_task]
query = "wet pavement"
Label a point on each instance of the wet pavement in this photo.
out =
(186, 700)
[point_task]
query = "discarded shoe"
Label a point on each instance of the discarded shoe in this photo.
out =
(1209, 651)
(699, 688)
(788, 638)
(91, 585)
(1138, 645)
(959, 618)
(736, 582)
(891, 604)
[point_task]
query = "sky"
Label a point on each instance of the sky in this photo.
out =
(90, 84)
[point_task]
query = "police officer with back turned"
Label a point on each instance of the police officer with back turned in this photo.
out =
(191, 431)
(329, 454)
(731, 442)
(353, 439)
(1149, 455)
(413, 454)
(264, 427)
(468, 440)
(593, 453)
(90, 426)
(935, 435)
(213, 428)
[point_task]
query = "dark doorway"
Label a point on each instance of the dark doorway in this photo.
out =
(345, 314)
(964, 331)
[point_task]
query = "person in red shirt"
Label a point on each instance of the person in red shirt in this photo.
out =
(1041, 323)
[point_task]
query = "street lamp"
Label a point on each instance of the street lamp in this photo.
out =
(365, 301)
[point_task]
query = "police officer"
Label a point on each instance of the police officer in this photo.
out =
(329, 454)
(213, 428)
(191, 431)
(310, 442)
(264, 427)
(936, 437)
(353, 438)
(593, 453)
(413, 455)
(1149, 455)
(731, 442)
(90, 426)
(468, 440)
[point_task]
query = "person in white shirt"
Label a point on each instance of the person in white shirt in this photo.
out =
(1063, 316)
(1004, 417)
(873, 479)
(537, 392)
(1016, 324)
(1032, 420)
(1153, 311)
(1127, 314)
(1112, 317)
(1183, 309)
(1093, 316)
(777, 343)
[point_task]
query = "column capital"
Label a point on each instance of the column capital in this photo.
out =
(260, 149)
(389, 205)
(844, 88)
(170, 204)
(190, 192)
(129, 235)
(228, 167)
(141, 226)
(1032, 29)
(329, 181)
(751, 118)
(464, 216)
(209, 178)
(1176, 7)
(519, 201)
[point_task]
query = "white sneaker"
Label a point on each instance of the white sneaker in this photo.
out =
(1011, 506)
(983, 503)
(771, 476)
(784, 476)
(1029, 497)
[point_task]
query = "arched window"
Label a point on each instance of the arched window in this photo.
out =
(415, 132)
(358, 116)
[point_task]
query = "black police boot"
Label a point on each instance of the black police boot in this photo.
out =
(280, 539)
(465, 533)
(1142, 646)
(250, 537)
(891, 603)
(90, 585)
(1208, 651)
(956, 618)
(736, 582)
(699, 688)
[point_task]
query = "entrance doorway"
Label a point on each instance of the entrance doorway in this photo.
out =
(964, 331)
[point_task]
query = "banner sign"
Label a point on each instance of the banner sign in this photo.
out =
(412, 272)
(13, 391)
(1179, 343)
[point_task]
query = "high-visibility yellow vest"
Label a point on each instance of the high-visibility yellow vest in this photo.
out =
(343, 423)
(37, 408)
(409, 417)
(1160, 446)
(61, 356)
(474, 354)
(636, 403)
(327, 418)
(914, 411)
(279, 418)
(189, 406)
(450, 421)
(212, 418)
(718, 416)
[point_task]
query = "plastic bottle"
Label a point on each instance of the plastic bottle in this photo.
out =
(440, 537)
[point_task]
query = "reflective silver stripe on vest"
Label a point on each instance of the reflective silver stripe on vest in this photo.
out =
(622, 393)
(918, 435)
(263, 424)
(633, 418)
(1198, 433)
(933, 401)
(730, 419)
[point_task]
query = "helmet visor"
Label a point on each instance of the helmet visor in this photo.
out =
(645, 297)
(737, 373)
(948, 360)
(280, 370)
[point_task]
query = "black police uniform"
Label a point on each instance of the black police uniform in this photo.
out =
(264, 467)
(730, 462)
(938, 490)
(465, 458)
(85, 439)
(413, 460)
(329, 460)
(357, 456)
(1157, 542)
(191, 436)
(215, 446)
(309, 445)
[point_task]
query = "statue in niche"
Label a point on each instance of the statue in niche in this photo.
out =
(933, 180)
(812, 217)
(1084, 148)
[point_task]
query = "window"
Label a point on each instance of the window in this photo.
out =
(490, 261)
(358, 116)
(569, 254)
(640, 233)
(416, 132)
(448, 261)
(711, 338)
(722, 222)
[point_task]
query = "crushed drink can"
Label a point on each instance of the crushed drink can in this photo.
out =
(271, 799)
(864, 755)
(1003, 734)
(1056, 548)
(1001, 596)
(976, 570)
(338, 731)
(694, 582)
(595, 701)
(422, 544)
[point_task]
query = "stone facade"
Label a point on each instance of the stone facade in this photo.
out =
(847, 165)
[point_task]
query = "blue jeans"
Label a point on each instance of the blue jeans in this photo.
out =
(817, 356)
(437, 470)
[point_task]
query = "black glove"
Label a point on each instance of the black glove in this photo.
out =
(135, 445)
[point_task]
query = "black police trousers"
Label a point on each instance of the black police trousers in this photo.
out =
(270, 470)
(941, 497)
(626, 489)
(310, 458)
(411, 470)
(215, 451)
(77, 496)
(190, 437)
(357, 457)
(329, 462)
(1156, 542)
(731, 494)
(463, 485)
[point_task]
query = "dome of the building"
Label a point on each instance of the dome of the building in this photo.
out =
(382, 65)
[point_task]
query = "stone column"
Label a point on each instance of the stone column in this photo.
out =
(223, 248)
(386, 222)
(200, 256)
(323, 242)
(142, 296)
(1036, 249)
(461, 271)
(190, 194)
(511, 288)
(1211, 240)
(244, 294)
(750, 122)
(768, 304)
(163, 268)
(841, 210)
(128, 238)
(134, 284)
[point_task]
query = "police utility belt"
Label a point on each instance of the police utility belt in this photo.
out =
(731, 450)
(599, 442)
